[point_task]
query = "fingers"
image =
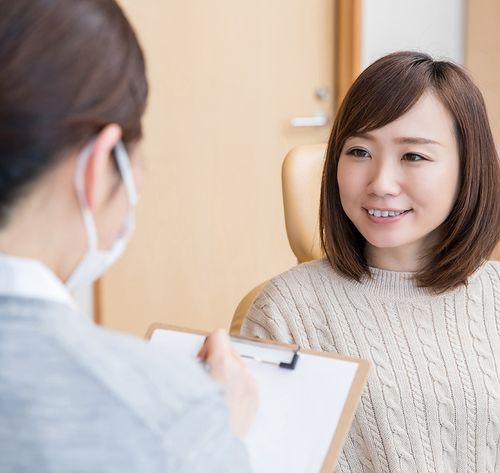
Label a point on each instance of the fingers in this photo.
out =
(216, 345)
(220, 356)
(227, 367)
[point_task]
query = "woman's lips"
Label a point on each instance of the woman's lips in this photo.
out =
(386, 215)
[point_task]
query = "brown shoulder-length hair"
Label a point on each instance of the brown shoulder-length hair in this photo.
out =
(382, 93)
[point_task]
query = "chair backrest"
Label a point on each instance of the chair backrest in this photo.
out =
(301, 182)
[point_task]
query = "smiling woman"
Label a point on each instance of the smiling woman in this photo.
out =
(432, 117)
(410, 211)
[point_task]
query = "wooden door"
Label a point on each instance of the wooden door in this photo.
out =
(226, 78)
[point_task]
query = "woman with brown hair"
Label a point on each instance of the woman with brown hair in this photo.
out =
(409, 214)
(75, 397)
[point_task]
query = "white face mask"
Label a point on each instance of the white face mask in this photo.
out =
(96, 261)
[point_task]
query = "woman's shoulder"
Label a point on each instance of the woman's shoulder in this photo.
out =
(485, 282)
(493, 268)
(128, 368)
(490, 272)
(300, 282)
(306, 273)
(285, 299)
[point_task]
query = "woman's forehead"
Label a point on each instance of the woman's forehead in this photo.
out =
(427, 121)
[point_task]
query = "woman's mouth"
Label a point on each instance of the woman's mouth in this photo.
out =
(387, 215)
(386, 212)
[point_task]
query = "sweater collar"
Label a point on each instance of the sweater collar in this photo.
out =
(393, 284)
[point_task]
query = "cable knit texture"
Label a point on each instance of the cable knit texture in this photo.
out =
(432, 401)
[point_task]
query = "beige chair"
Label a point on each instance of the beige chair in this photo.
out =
(301, 182)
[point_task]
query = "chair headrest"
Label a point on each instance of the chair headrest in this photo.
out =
(301, 183)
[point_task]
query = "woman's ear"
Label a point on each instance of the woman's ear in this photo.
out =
(98, 176)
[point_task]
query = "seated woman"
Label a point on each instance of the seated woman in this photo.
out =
(410, 212)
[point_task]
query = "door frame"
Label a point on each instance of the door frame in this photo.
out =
(348, 32)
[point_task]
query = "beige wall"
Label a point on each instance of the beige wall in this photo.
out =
(226, 77)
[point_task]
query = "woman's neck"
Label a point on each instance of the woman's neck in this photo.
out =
(41, 227)
(26, 235)
(410, 257)
(392, 259)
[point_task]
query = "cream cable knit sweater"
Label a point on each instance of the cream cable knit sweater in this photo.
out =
(432, 402)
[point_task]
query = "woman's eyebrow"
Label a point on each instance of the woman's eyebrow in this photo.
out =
(416, 140)
(411, 140)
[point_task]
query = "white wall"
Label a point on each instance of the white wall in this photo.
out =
(433, 26)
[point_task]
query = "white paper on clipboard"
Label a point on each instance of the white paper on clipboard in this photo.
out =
(304, 413)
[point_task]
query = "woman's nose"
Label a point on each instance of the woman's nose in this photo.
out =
(384, 179)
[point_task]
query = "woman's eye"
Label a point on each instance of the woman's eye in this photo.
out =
(359, 153)
(413, 157)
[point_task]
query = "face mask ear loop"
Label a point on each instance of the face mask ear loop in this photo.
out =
(123, 162)
(88, 220)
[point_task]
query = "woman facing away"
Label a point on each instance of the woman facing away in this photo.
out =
(409, 213)
(75, 397)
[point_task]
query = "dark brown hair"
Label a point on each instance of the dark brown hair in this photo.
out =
(67, 69)
(381, 94)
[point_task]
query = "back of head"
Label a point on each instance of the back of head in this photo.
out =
(384, 92)
(67, 69)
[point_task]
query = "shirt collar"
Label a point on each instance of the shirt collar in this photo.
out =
(29, 278)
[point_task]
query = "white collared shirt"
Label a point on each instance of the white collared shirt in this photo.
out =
(29, 278)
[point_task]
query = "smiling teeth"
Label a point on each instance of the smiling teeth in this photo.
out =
(384, 213)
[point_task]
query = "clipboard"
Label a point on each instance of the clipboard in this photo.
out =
(307, 399)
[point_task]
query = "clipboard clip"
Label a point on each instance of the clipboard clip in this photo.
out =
(282, 364)
(261, 357)
(288, 365)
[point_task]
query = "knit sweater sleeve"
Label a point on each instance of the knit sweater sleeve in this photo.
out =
(268, 317)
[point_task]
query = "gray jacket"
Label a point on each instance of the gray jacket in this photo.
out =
(77, 398)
